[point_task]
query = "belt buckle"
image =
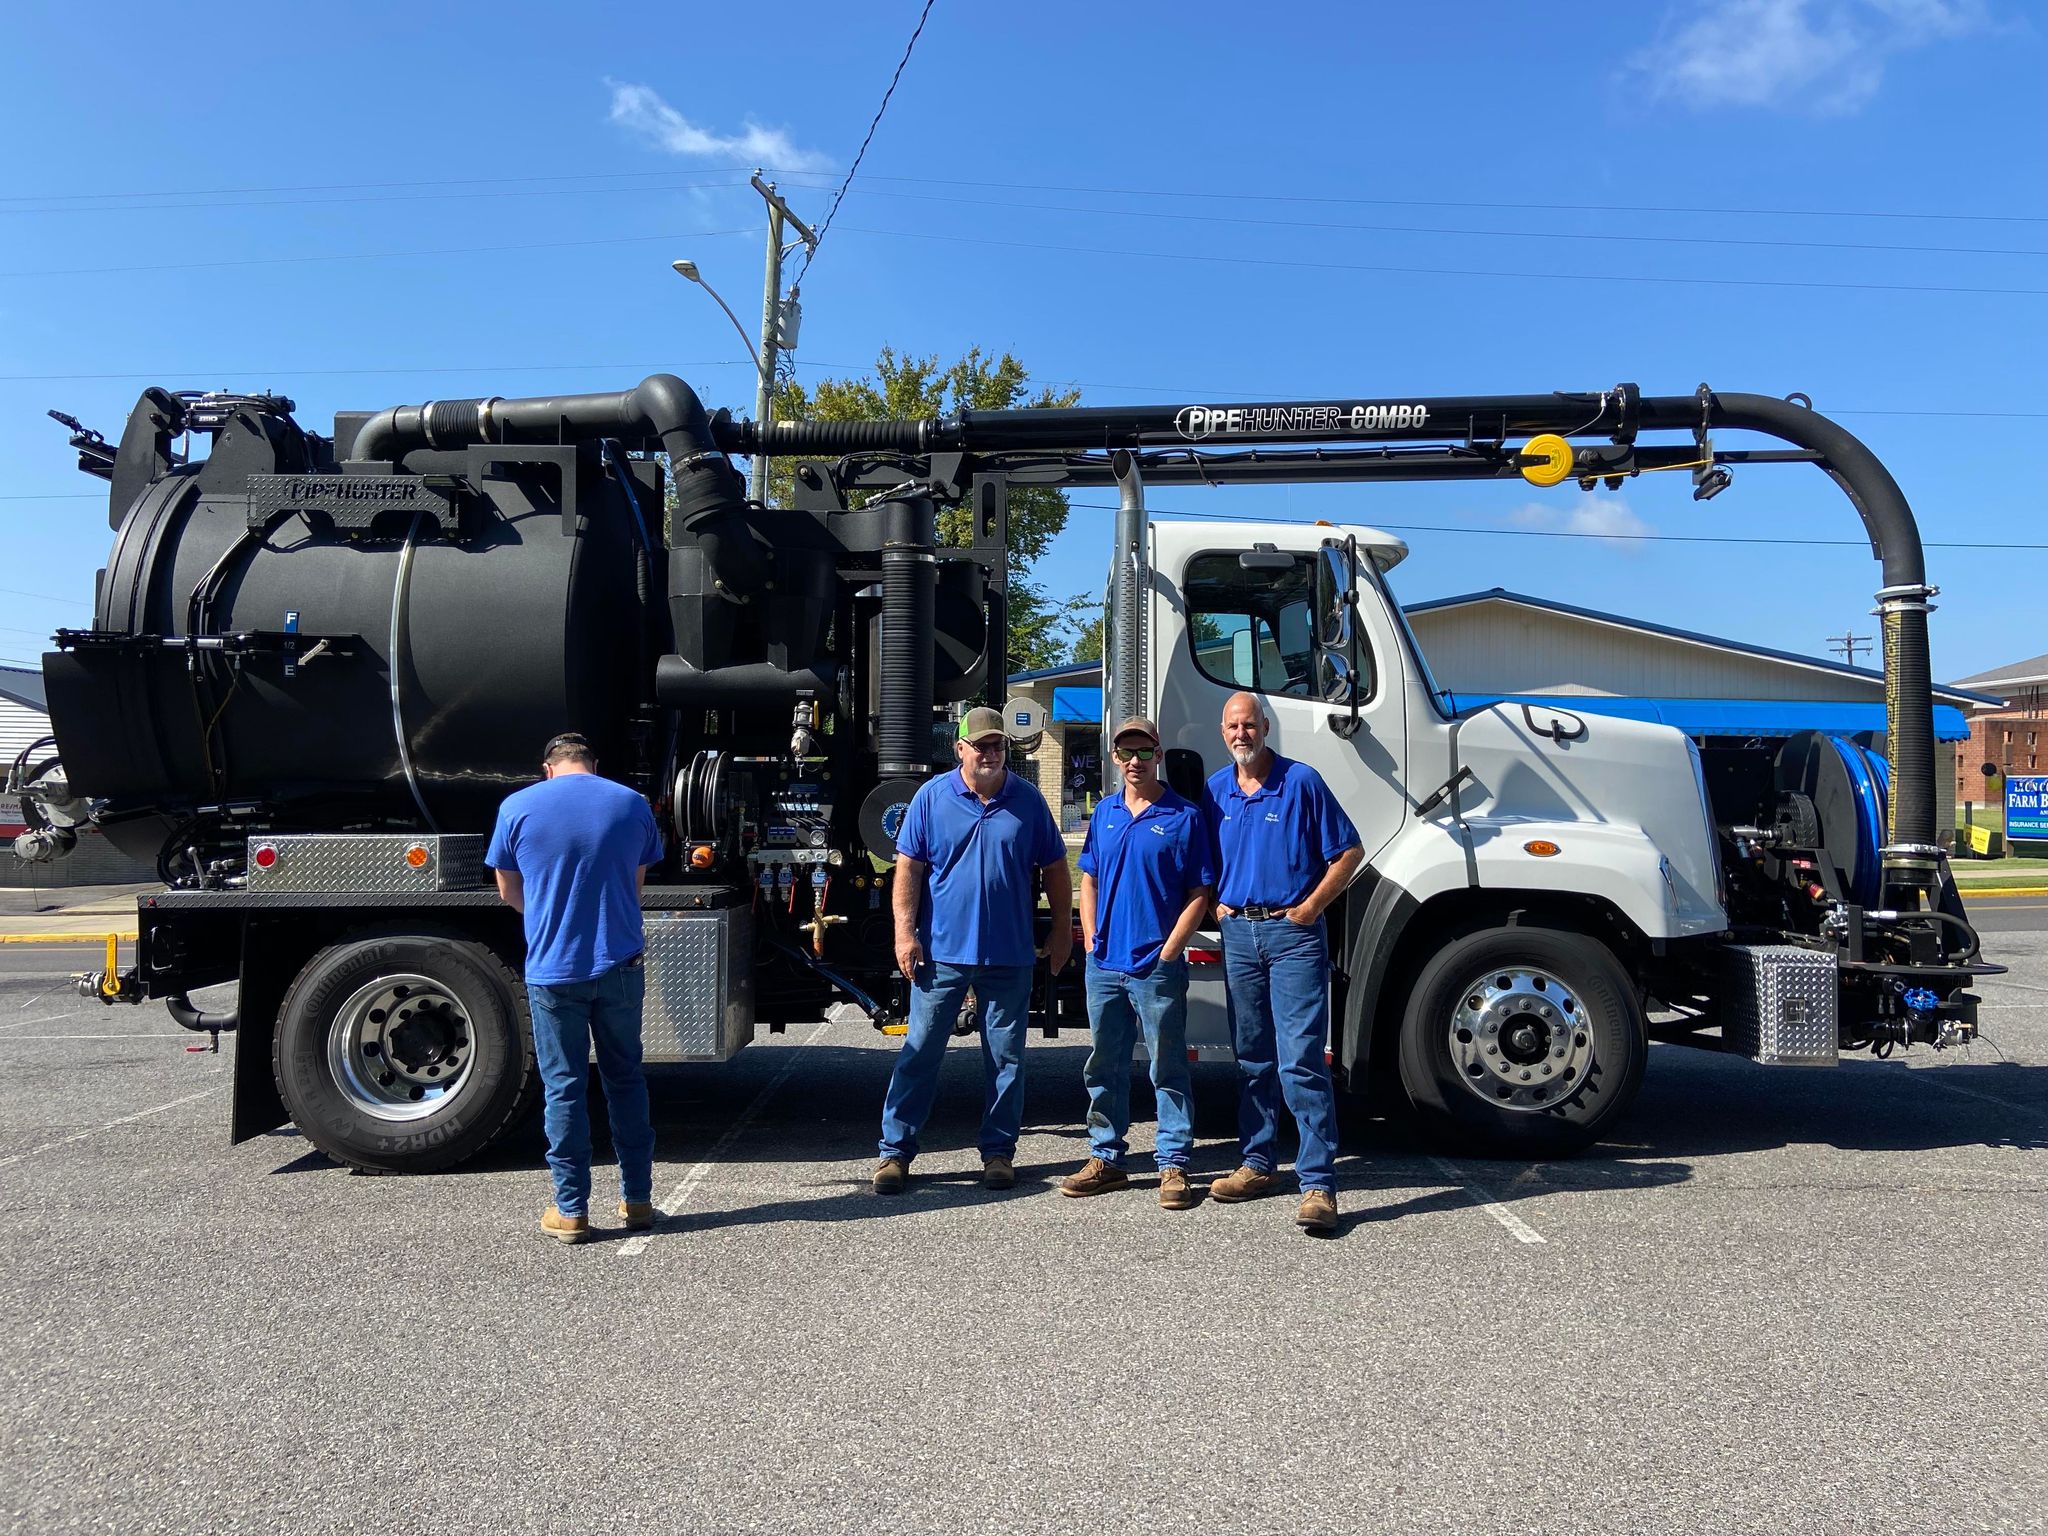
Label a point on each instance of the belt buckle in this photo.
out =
(1255, 914)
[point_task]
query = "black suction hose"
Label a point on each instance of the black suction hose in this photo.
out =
(909, 594)
(711, 501)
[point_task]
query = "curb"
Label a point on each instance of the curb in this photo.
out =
(65, 938)
(2019, 890)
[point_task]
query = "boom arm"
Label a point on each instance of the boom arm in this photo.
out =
(1481, 426)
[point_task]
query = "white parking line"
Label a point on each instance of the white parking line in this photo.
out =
(1518, 1228)
(634, 1246)
(140, 1114)
(154, 1034)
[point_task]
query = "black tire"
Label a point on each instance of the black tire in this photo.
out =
(1522, 1042)
(404, 1051)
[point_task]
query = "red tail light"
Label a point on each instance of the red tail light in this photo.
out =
(1205, 957)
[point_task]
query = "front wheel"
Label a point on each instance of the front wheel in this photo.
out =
(403, 1052)
(1522, 1042)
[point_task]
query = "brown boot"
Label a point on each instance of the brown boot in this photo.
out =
(638, 1215)
(1095, 1178)
(1248, 1183)
(564, 1229)
(1318, 1213)
(998, 1173)
(891, 1174)
(1175, 1192)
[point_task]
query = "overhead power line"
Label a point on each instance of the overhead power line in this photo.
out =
(1415, 202)
(1352, 266)
(1557, 533)
(453, 250)
(1210, 193)
(1488, 234)
(686, 185)
(811, 251)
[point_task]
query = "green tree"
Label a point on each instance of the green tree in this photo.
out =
(906, 387)
(1088, 643)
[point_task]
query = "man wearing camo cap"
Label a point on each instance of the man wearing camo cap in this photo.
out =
(964, 902)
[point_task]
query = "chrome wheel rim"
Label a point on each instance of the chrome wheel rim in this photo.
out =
(401, 1047)
(1520, 1039)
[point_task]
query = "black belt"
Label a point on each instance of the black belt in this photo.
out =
(1256, 914)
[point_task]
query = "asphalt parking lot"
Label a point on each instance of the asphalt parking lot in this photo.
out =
(1783, 1301)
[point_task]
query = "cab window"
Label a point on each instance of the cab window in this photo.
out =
(1253, 627)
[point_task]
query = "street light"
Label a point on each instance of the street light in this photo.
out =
(689, 270)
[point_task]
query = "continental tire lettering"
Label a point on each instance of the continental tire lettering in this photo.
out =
(433, 1136)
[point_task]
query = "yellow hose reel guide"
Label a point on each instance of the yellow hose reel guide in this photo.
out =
(1555, 455)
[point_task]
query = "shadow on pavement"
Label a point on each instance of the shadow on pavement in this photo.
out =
(1694, 1105)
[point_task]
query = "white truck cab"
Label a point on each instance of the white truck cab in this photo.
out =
(1593, 834)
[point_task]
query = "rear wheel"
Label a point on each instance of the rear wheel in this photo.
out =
(404, 1052)
(1522, 1042)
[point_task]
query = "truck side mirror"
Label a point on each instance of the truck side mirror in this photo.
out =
(1336, 633)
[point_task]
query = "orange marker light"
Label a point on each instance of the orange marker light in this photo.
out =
(416, 856)
(702, 856)
(1542, 849)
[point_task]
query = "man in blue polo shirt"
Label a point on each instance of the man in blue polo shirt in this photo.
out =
(1287, 851)
(571, 854)
(1145, 884)
(964, 904)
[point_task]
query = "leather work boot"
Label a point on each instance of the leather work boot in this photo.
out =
(1095, 1178)
(1318, 1213)
(998, 1173)
(564, 1229)
(1175, 1192)
(638, 1215)
(1248, 1183)
(891, 1174)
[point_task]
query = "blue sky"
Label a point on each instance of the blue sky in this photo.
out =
(402, 202)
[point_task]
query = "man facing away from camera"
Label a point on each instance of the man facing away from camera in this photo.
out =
(571, 854)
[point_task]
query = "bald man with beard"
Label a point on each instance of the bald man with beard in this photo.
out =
(1286, 851)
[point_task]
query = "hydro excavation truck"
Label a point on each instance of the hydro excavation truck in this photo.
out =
(318, 663)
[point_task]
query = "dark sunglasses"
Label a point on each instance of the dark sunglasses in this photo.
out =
(1142, 754)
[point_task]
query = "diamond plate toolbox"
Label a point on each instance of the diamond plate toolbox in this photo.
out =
(399, 862)
(700, 984)
(1778, 1005)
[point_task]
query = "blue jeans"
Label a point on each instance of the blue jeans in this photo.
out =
(1276, 976)
(1118, 1006)
(567, 1020)
(1004, 993)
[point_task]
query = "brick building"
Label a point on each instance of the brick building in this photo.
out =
(2011, 737)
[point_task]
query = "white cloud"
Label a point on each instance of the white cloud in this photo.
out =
(640, 110)
(1825, 57)
(1603, 517)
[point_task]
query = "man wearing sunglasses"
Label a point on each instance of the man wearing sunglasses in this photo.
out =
(964, 904)
(1146, 874)
(1287, 850)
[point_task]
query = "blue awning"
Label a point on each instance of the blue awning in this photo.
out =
(1729, 717)
(1077, 706)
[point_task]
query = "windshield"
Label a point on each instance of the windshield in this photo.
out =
(1437, 696)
